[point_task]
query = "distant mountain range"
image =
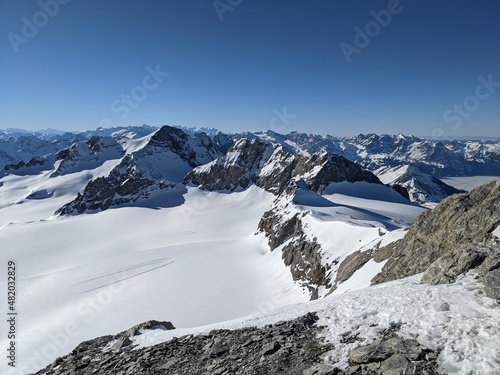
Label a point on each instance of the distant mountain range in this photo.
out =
(411, 165)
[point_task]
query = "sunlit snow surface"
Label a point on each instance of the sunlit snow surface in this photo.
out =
(456, 319)
(202, 263)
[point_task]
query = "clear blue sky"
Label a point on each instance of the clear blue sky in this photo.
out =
(239, 73)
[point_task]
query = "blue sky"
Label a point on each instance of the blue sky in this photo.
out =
(329, 67)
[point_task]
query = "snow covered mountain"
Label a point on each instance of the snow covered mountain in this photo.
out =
(228, 232)
(389, 157)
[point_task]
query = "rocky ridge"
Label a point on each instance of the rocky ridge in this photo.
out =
(271, 167)
(284, 348)
(158, 166)
(420, 187)
(287, 347)
(385, 153)
(445, 242)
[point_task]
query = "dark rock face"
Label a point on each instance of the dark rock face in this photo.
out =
(303, 256)
(351, 264)
(290, 348)
(159, 166)
(123, 185)
(272, 168)
(283, 225)
(195, 151)
(237, 169)
(334, 168)
(461, 219)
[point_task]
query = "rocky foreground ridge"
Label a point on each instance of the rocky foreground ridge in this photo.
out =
(288, 348)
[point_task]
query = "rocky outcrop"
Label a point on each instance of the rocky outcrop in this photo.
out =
(416, 186)
(449, 240)
(157, 167)
(303, 256)
(290, 348)
(459, 219)
(390, 354)
(239, 168)
(271, 167)
(351, 264)
(322, 169)
(284, 227)
(125, 184)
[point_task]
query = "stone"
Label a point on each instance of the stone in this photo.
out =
(271, 348)
(459, 220)
(351, 264)
(219, 349)
(150, 324)
(320, 369)
(454, 263)
(121, 343)
(218, 352)
(394, 365)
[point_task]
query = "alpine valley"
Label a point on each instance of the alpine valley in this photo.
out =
(143, 250)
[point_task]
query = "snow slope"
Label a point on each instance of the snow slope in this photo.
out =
(456, 319)
(195, 264)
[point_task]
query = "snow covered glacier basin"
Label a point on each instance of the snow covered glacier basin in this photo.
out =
(201, 263)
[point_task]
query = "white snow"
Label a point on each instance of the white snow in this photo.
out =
(361, 278)
(456, 319)
(102, 273)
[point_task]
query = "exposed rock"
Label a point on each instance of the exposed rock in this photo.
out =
(390, 354)
(351, 264)
(283, 225)
(150, 324)
(490, 272)
(454, 263)
(333, 168)
(158, 166)
(271, 167)
(304, 259)
(287, 348)
(121, 343)
(461, 219)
